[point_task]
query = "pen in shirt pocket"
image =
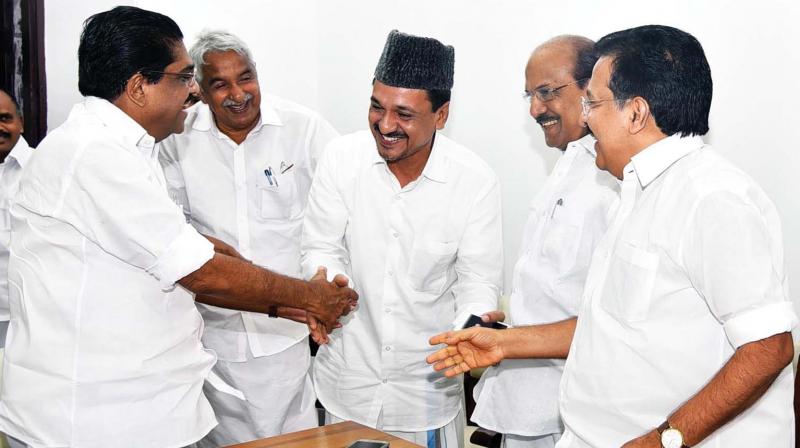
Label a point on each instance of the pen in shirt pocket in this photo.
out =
(558, 203)
(270, 177)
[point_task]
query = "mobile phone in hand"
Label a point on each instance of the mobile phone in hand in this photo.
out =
(363, 443)
(476, 320)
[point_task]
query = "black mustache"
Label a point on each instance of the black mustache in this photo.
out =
(395, 134)
(5, 134)
(543, 118)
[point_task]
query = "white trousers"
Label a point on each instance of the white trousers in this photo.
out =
(450, 435)
(545, 441)
(279, 397)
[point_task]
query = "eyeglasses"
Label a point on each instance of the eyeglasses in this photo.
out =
(545, 94)
(186, 78)
(587, 105)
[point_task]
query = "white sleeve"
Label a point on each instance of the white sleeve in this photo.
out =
(129, 215)
(325, 220)
(479, 260)
(734, 257)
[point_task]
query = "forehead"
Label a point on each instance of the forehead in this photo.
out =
(400, 97)
(221, 61)
(601, 73)
(550, 65)
(6, 105)
(180, 57)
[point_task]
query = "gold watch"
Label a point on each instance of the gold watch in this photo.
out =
(670, 437)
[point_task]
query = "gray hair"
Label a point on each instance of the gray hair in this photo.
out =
(210, 41)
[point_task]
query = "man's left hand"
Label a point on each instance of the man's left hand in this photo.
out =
(650, 440)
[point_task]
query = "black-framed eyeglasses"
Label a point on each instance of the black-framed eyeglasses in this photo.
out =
(187, 78)
(545, 94)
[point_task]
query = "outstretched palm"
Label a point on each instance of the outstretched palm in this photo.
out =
(466, 349)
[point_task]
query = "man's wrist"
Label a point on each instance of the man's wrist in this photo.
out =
(671, 437)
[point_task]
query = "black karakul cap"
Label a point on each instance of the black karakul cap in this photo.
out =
(414, 62)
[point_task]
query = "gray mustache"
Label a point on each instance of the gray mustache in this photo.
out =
(229, 102)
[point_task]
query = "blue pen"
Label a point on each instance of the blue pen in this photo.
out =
(268, 173)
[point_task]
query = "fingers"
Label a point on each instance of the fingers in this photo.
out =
(454, 337)
(493, 316)
(321, 274)
(442, 354)
(340, 280)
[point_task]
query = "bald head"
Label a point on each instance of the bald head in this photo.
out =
(578, 49)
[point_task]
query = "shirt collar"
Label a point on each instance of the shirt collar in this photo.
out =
(205, 119)
(21, 152)
(131, 132)
(656, 158)
(586, 142)
(436, 166)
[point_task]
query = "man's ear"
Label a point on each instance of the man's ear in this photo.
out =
(441, 115)
(136, 89)
(639, 114)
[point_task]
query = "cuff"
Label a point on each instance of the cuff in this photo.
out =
(760, 323)
(184, 255)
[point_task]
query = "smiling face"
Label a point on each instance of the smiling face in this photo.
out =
(609, 122)
(10, 125)
(550, 67)
(165, 115)
(403, 124)
(230, 88)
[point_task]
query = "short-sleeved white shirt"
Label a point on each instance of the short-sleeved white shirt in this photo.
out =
(103, 349)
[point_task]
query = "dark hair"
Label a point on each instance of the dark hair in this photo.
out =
(13, 100)
(585, 58)
(117, 44)
(668, 68)
(438, 98)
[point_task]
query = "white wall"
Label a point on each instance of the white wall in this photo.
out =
(322, 53)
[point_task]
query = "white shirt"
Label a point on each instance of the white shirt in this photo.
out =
(10, 171)
(568, 218)
(422, 258)
(691, 269)
(226, 194)
(102, 351)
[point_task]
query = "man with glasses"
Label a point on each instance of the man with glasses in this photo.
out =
(104, 343)
(241, 170)
(567, 219)
(683, 335)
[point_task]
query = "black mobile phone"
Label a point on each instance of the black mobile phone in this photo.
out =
(363, 443)
(476, 320)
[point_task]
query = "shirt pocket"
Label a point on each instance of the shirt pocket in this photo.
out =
(560, 245)
(428, 263)
(279, 201)
(629, 284)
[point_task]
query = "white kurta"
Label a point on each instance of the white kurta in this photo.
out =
(226, 194)
(422, 258)
(691, 268)
(568, 218)
(10, 171)
(103, 350)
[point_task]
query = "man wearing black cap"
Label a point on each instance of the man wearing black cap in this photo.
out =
(413, 220)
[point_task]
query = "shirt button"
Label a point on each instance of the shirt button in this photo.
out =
(388, 310)
(390, 272)
(385, 381)
(395, 234)
(388, 348)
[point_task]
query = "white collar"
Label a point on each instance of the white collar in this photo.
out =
(652, 161)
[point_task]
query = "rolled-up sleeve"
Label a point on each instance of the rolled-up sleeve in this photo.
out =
(188, 252)
(115, 199)
(733, 251)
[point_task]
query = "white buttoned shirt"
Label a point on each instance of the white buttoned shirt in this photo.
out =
(103, 349)
(422, 258)
(225, 193)
(690, 269)
(568, 218)
(10, 171)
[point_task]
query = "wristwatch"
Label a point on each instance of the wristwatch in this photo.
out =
(670, 437)
(273, 311)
